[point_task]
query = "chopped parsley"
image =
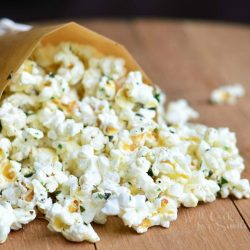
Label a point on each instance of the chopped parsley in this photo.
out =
(28, 113)
(222, 181)
(60, 146)
(51, 74)
(82, 209)
(156, 130)
(158, 189)
(157, 97)
(152, 108)
(150, 172)
(137, 114)
(28, 175)
(210, 173)
(57, 192)
(111, 138)
(226, 148)
(104, 196)
(85, 223)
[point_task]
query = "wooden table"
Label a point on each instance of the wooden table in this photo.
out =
(187, 59)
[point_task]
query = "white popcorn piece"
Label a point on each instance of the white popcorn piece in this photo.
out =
(227, 94)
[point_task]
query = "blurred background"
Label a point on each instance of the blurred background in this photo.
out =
(225, 10)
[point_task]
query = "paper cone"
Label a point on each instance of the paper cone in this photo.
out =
(15, 48)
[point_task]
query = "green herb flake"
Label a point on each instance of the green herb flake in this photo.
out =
(28, 175)
(82, 209)
(28, 113)
(85, 223)
(222, 182)
(210, 173)
(158, 189)
(150, 172)
(157, 97)
(104, 196)
(60, 146)
(102, 89)
(51, 74)
(156, 130)
(111, 138)
(1, 127)
(57, 192)
(226, 148)
(154, 109)
(100, 196)
(137, 114)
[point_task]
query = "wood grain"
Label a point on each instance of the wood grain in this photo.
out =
(36, 236)
(187, 60)
(209, 226)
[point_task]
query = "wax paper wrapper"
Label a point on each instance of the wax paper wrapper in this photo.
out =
(16, 47)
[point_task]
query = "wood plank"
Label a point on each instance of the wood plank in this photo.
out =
(37, 236)
(209, 226)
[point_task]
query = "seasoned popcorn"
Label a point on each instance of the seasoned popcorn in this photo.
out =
(83, 139)
(228, 94)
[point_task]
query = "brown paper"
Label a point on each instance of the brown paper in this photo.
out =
(15, 48)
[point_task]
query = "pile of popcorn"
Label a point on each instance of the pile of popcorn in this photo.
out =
(83, 139)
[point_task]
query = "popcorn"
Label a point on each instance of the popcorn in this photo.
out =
(12, 119)
(227, 94)
(7, 25)
(180, 112)
(72, 68)
(82, 139)
(7, 218)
